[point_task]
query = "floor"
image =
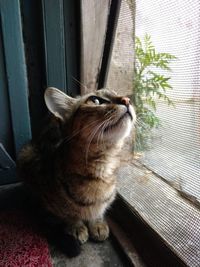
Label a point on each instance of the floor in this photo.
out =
(106, 254)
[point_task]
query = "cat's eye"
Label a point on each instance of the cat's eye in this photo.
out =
(98, 100)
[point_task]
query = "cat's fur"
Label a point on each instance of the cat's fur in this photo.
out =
(70, 168)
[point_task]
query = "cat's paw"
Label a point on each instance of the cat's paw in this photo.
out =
(99, 230)
(80, 232)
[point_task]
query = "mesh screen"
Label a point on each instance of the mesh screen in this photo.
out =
(173, 150)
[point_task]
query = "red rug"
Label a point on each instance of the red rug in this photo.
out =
(20, 245)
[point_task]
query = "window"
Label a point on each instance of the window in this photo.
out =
(175, 148)
(164, 173)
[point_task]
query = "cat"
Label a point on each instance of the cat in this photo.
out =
(71, 166)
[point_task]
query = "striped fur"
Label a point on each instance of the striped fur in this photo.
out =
(71, 165)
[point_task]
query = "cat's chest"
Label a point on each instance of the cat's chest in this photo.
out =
(98, 163)
(88, 189)
(103, 169)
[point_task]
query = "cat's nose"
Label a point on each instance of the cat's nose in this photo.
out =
(125, 101)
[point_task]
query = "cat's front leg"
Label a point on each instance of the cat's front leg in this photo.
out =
(79, 230)
(98, 230)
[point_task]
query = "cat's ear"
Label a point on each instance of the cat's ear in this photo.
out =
(58, 103)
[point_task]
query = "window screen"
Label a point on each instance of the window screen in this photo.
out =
(174, 153)
(172, 147)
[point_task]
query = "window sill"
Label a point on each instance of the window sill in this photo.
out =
(173, 219)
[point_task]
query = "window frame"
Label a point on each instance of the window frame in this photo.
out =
(149, 245)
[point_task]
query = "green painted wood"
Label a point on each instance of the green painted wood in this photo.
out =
(72, 45)
(53, 19)
(7, 167)
(8, 176)
(6, 136)
(5, 160)
(33, 33)
(16, 71)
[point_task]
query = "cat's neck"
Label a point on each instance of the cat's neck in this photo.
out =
(98, 161)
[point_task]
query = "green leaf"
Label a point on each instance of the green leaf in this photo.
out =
(150, 84)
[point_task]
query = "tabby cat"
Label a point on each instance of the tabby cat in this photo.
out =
(70, 167)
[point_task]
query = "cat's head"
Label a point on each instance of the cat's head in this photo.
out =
(95, 117)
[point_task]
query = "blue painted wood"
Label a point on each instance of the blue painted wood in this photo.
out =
(53, 19)
(16, 70)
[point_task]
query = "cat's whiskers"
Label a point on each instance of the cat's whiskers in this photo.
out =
(101, 128)
(111, 118)
(84, 128)
(92, 135)
(100, 136)
(80, 83)
(75, 133)
(114, 118)
(108, 113)
(101, 132)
